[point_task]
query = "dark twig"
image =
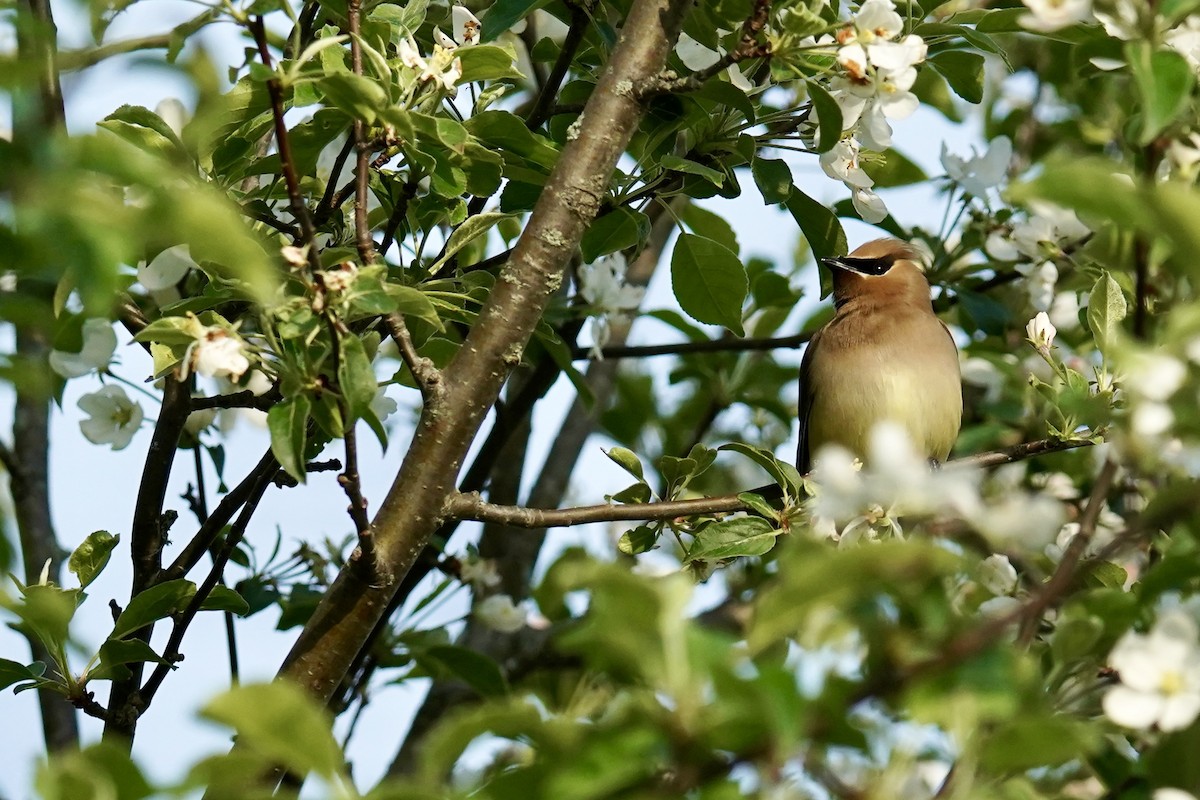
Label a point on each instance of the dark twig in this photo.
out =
(198, 500)
(471, 506)
(703, 346)
(362, 231)
(326, 204)
(171, 654)
(580, 17)
(285, 481)
(399, 211)
(242, 399)
(748, 47)
(428, 377)
(352, 485)
(284, 146)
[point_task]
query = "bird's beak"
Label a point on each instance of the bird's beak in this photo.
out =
(863, 266)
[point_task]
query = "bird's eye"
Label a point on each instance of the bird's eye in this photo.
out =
(864, 266)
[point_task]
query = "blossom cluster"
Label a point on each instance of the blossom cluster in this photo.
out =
(1160, 675)
(1035, 243)
(602, 284)
(443, 67)
(877, 70)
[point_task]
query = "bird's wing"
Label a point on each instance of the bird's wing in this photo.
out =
(803, 457)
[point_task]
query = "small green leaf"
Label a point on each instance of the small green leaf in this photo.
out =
(288, 424)
(759, 504)
(689, 167)
(91, 557)
(464, 234)
(157, 602)
(281, 723)
(223, 598)
(709, 281)
(820, 225)
(12, 672)
(116, 653)
(620, 229)
(475, 669)
(963, 70)
(710, 225)
(1164, 84)
(774, 179)
(487, 62)
(503, 14)
(781, 472)
(356, 377)
(829, 117)
(358, 96)
(626, 460)
(1106, 309)
(641, 539)
(740, 536)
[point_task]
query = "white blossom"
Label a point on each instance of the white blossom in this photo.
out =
(979, 173)
(1171, 793)
(602, 285)
(113, 418)
(467, 28)
(99, 344)
(499, 613)
(876, 19)
(1051, 15)
(383, 406)
(198, 421)
(841, 162)
(983, 373)
(1185, 40)
(1160, 675)
(166, 269)
(216, 353)
(1152, 419)
(1048, 231)
(481, 573)
(339, 278)
(1155, 376)
(1041, 332)
(174, 113)
(410, 54)
(869, 205)
(998, 575)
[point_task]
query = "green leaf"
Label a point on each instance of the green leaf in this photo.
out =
(774, 179)
(740, 536)
(709, 281)
(46, 610)
(488, 62)
(356, 377)
(710, 225)
(358, 96)
(288, 423)
(641, 539)
(281, 723)
(90, 557)
(12, 672)
(473, 668)
(689, 167)
(781, 472)
(157, 602)
(820, 225)
(505, 131)
(829, 117)
(626, 460)
(1164, 84)
(1106, 309)
(116, 653)
(223, 598)
(759, 504)
(146, 131)
(503, 14)
(620, 229)
(963, 70)
(412, 302)
(1075, 637)
(464, 234)
(894, 169)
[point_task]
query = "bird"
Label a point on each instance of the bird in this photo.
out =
(885, 356)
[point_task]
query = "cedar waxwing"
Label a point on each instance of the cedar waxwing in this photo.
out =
(885, 356)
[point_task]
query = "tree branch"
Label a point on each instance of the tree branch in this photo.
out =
(410, 513)
(580, 17)
(704, 346)
(748, 47)
(428, 377)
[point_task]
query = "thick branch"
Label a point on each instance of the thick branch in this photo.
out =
(410, 513)
(471, 505)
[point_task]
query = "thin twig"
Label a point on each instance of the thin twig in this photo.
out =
(242, 399)
(284, 146)
(352, 485)
(399, 211)
(748, 47)
(428, 377)
(362, 231)
(580, 17)
(171, 653)
(703, 346)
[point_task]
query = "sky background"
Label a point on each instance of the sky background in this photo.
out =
(93, 488)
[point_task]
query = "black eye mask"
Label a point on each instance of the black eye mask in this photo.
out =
(863, 266)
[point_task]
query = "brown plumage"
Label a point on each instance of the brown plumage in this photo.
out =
(884, 356)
